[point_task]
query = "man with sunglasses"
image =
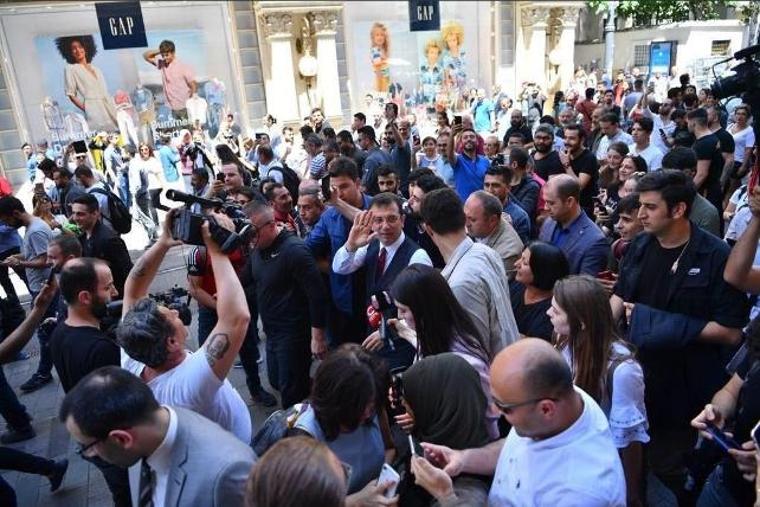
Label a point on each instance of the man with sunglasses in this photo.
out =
(559, 451)
(292, 302)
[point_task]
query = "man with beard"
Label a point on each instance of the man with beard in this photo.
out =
(78, 346)
(517, 124)
(546, 161)
(469, 167)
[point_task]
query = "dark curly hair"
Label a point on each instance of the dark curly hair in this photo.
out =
(87, 41)
(143, 332)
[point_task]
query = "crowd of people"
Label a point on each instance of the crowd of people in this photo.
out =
(560, 309)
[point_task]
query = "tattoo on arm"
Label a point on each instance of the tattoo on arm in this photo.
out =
(217, 346)
(139, 270)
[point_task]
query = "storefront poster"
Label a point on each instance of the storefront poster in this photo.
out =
(70, 87)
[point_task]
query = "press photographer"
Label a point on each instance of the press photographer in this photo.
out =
(153, 337)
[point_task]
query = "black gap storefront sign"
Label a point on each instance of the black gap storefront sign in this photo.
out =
(424, 15)
(121, 25)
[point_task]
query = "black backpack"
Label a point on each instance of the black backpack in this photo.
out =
(290, 180)
(121, 219)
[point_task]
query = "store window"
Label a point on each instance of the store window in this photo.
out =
(641, 55)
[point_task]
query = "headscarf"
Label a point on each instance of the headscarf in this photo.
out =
(447, 400)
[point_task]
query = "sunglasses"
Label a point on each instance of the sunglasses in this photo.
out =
(507, 408)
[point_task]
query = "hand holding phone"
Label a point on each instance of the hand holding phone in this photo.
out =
(388, 474)
(721, 439)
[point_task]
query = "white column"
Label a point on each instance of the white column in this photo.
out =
(328, 83)
(282, 100)
(534, 24)
(568, 16)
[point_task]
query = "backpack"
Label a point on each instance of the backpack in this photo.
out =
(121, 219)
(277, 426)
(290, 180)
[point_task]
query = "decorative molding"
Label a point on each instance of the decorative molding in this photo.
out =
(531, 16)
(324, 22)
(567, 16)
(277, 24)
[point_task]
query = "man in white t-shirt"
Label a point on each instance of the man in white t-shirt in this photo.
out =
(641, 132)
(153, 339)
(559, 451)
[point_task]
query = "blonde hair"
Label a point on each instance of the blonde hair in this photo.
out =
(432, 43)
(387, 44)
(452, 27)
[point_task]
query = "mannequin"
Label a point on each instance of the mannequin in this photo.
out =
(196, 109)
(125, 113)
(53, 118)
(144, 104)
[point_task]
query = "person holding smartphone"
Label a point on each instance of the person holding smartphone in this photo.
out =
(735, 406)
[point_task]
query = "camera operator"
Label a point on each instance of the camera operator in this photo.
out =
(234, 180)
(291, 298)
(153, 337)
(78, 346)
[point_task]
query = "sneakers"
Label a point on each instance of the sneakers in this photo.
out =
(14, 435)
(56, 476)
(261, 397)
(36, 382)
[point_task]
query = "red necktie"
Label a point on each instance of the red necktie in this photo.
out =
(380, 264)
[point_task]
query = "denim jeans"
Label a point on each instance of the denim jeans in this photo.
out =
(12, 459)
(11, 409)
(715, 492)
(123, 184)
(45, 365)
(206, 321)
(288, 362)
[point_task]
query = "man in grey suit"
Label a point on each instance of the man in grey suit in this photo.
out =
(569, 228)
(175, 456)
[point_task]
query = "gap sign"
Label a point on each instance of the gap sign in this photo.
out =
(121, 25)
(424, 15)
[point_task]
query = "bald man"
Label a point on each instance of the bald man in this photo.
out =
(485, 223)
(559, 451)
(569, 228)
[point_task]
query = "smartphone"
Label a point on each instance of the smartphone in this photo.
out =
(79, 147)
(259, 135)
(415, 448)
(755, 434)
(387, 311)
(388, 474)
(457, 119)
(721, 439)
(662, 133)
(53, 271)
(326, 191)
(220, 176)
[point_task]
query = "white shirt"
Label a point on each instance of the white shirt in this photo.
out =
(621, 136)
(578, 467)
(742, 140)
(160, 462)
(651, 154)
(193, 385)
(345, 262)
(627, 413)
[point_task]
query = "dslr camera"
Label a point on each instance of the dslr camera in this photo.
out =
(187, 225)
(175, 298)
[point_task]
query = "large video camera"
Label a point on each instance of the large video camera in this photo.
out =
(175, 298)
(187, 225)
(743, 80)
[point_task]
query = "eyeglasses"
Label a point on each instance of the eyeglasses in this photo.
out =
(257, 228)
(507, 408)
(82, 449)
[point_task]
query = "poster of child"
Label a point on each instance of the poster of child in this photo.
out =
(379, 51)
(431, 71)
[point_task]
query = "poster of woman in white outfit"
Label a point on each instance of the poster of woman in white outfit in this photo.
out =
(84, 83)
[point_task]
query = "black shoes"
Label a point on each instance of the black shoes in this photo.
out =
(37, 381)
(14, 435)
(56, 476)
(261, 397)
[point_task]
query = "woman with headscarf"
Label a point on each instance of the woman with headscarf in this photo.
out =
(451, 414)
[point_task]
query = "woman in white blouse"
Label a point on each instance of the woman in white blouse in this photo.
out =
(84, 83)
(605, 367)
(744, 139)
(146, 163)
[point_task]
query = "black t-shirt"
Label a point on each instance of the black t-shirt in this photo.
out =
(77, 351)
(586, 163)
(531, 319)
(652, 289)
(727, 144)
(708, 148)
(548, 166)
(682, 137)
(522, 129)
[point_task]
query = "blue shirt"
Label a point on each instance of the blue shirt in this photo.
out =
(169, 157)
(328, 235)
(481, 112)
(520, 219)
(561, 234)
(469, 174)
(9, 238)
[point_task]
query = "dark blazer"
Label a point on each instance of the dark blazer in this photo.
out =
(586, 248)
(106, 244)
